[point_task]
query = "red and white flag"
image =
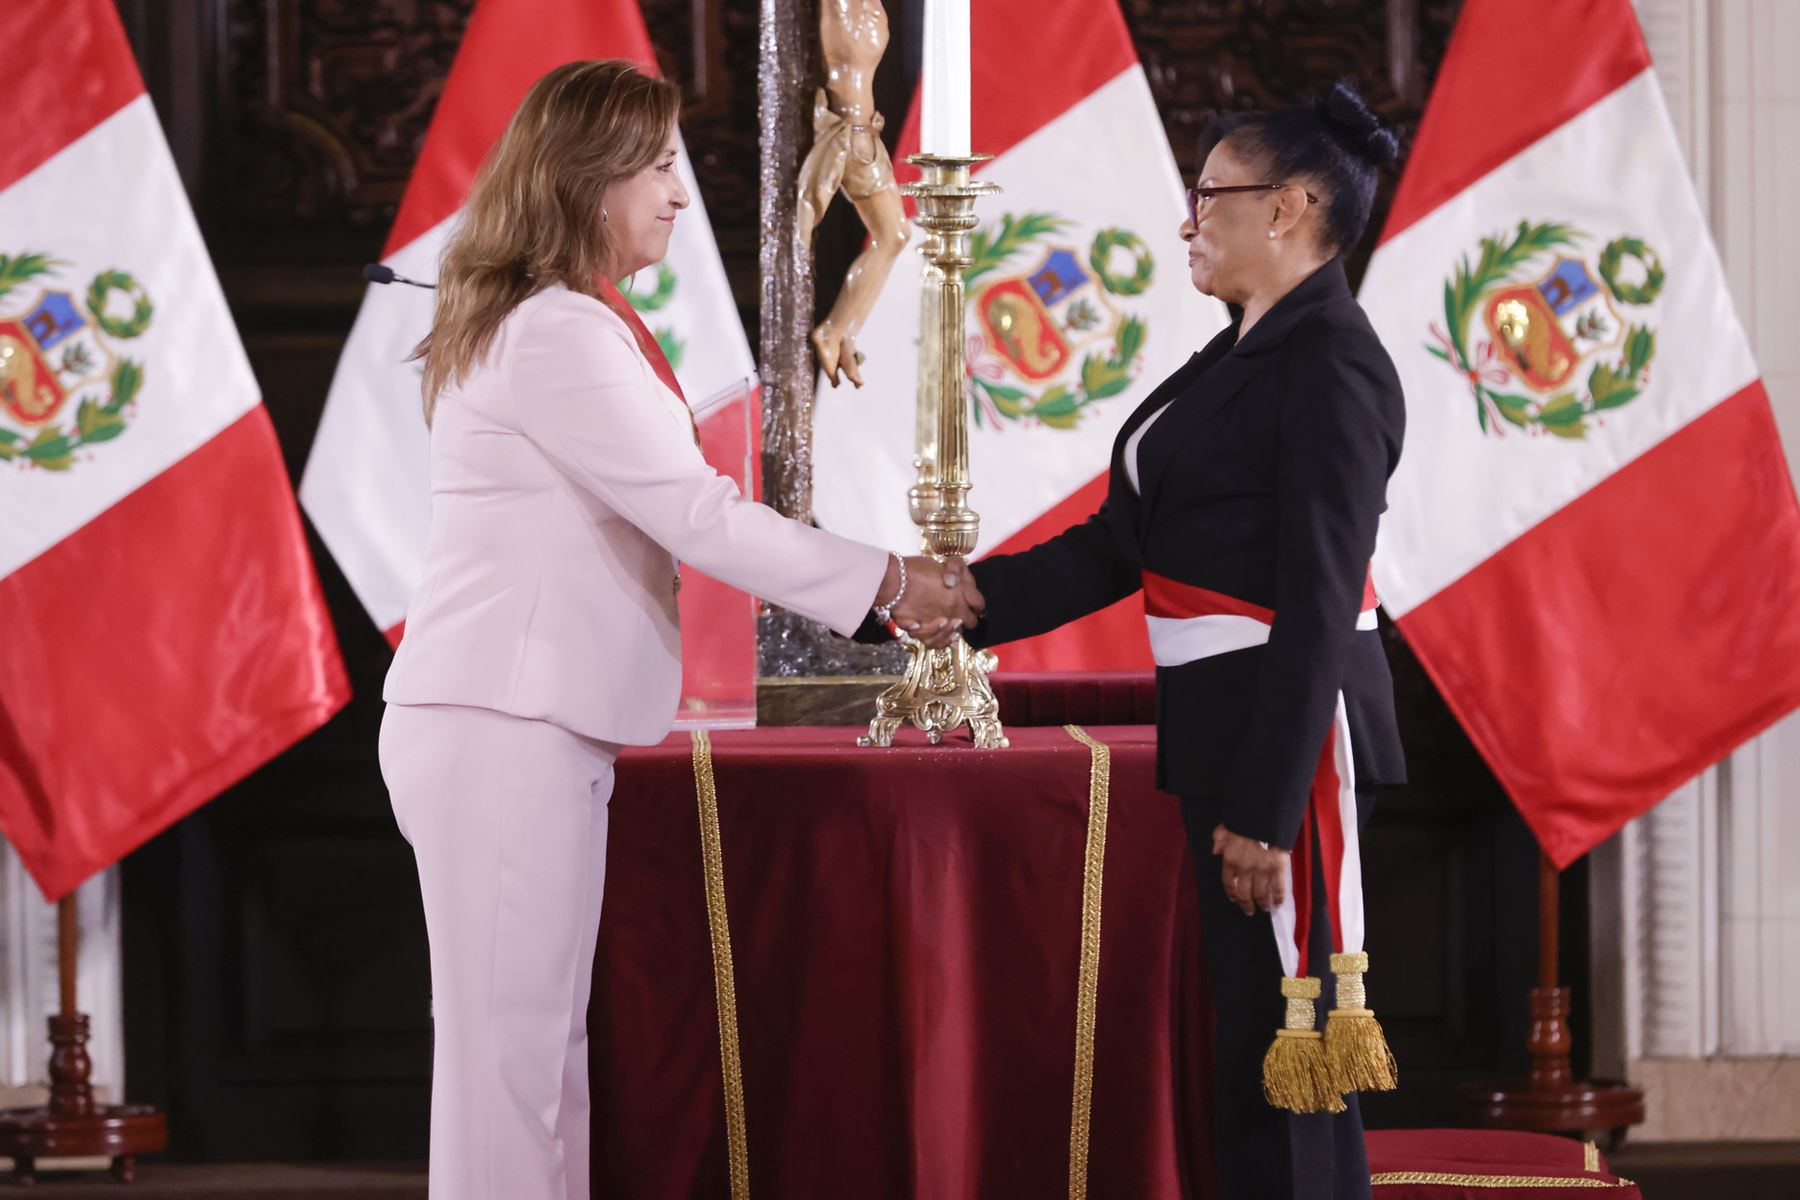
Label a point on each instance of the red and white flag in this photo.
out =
(1082, 249)
(366, 484)
(165, 630)
(1593, 543)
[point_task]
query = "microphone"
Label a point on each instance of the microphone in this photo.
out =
(382, 273)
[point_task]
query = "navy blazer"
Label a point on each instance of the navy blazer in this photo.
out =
(1265, 481)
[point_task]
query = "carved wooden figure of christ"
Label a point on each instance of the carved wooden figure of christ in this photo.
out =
(847, 152)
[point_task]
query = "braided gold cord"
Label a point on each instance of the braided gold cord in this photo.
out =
(1392, 1178)
(1087, 987)
(737, 1141)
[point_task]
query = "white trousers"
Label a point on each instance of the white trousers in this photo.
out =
(507, 819)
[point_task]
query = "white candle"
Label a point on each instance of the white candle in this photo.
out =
(944, 119)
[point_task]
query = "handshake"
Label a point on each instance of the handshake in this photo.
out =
(930, 600)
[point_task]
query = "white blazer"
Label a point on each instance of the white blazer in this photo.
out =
(565, 486)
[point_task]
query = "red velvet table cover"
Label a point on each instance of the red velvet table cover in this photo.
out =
(905, 929)
(1085, 697)
(1487, 1164)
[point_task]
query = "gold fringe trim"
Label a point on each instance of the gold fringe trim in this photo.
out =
(1087, 987)
(1357, 1054)
(1356, 1050)
(737, 1141)
(1295, 1075)
(1392, 1178)
(1590, 1157)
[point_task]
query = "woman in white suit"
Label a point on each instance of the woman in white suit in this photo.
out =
(567, 486)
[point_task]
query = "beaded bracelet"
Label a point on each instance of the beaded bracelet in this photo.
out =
(886, 611)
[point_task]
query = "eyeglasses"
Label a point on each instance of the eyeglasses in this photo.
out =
(1199, 197)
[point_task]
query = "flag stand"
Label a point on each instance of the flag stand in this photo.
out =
(1550, 1099)
(72, 1125)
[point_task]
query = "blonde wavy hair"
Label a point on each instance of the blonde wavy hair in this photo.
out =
(533, 218)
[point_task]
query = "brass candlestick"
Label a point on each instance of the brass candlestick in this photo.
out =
(922, 498)
(943, 689)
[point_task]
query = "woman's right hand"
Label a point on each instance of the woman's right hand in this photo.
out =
(941, 600)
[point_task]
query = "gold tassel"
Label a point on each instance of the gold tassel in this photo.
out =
(1356, 1051)
(1295, 1076)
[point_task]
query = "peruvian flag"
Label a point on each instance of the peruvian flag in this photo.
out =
(1079, 303)
(1593, 543)
(366, 485)
(165, 630)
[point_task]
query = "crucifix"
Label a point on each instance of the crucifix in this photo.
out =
(847, 153)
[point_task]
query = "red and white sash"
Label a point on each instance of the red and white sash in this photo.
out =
(647, 344)
(1189, 623)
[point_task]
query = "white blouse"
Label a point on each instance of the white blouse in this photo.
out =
(1131, 447)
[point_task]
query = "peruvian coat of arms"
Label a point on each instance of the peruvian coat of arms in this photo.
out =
(1548, 339)
(1050, 340)
(63, 386)
(674, 348)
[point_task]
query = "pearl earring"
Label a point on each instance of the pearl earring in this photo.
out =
(1271, 233)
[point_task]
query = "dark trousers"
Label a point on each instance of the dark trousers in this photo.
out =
(1266, 1153)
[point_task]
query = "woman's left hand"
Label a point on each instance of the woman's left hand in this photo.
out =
(1254, 873)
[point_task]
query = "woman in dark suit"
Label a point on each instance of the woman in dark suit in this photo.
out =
(1244, 500)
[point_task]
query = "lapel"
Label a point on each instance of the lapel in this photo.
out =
(1165, 392)
(1121, 500)
(1230, 372)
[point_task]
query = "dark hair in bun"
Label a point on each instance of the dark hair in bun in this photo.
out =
(1356, 125)
(1336, 143)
